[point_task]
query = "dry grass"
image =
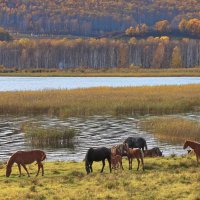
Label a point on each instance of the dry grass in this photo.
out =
(172, 129)
(102, 100)
(104, 72)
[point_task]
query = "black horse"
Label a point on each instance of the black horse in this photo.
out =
(99, 154)
(136, 142)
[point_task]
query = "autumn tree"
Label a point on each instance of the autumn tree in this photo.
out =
(162, 26)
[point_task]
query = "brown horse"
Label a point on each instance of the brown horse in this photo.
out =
(26, 157)
(154, 152)
(116, 161)
(195, 146)
(121, 150)
(135, 153)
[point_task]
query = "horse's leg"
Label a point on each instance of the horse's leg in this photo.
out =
(142, 163)
(138, 160)
(42, 169)
(39, 165)
(19, 167)
(121, 164)
(90, 166)
(197, 159)
(109, 162)
(129, 164)
(24, 166)
(103, 162)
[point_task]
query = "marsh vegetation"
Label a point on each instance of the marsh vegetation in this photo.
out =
(53, 137)
(103, 100)
(172, 128)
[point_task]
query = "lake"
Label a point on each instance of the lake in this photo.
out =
(95, 131)
(47, 83)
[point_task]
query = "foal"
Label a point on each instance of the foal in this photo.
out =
(26, 157)
(135, 153)
(116, 160)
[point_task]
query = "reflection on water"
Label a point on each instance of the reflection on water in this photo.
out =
(95, 131)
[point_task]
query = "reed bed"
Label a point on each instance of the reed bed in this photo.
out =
(102, 100)
(172, 129)
(48, 137)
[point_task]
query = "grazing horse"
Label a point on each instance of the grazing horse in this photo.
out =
(98, 154)
(154, 152)
(116, 161)
(136, 142)
(195, 146)
(135, 153)
(121, 150)
(26, 157)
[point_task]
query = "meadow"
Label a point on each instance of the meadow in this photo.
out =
(156, 100)
(163, 178)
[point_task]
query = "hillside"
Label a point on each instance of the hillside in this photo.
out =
(91, 17)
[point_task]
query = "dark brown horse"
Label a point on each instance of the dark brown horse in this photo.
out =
(195, 146)
(26, 157)
(154, 152)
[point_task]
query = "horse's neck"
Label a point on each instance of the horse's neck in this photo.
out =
(10, 162)
(193, 145)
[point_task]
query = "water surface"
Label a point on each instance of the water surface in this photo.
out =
(43, 83)
(96, 131)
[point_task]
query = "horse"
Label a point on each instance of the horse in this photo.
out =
(135, 153)
(116, 161)
(136, 142)
(195, 146)
(120, 150)
(26, 157)
(98, 154)
(154, 152)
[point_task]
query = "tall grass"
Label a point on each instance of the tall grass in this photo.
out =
(48, 137)
(103, 100)
(172, 129)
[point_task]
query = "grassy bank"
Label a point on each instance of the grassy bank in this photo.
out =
(172, 129)
(105, 72)
(103, 100)
(164, 178)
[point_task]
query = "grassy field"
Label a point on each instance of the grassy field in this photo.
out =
(164, 178)
(103, 100)
(105, 72)
(172, 128)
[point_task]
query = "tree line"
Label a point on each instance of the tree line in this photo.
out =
(91, 17)
(158, 52)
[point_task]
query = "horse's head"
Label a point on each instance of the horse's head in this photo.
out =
(87, 168)
(158, 152)
(125, 148)
(8, 171)
(185, 145)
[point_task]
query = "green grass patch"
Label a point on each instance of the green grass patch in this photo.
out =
(172, 129)
(164, 178)
(48, 137)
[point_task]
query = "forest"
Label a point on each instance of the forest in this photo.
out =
(91, 17)
(153, 52)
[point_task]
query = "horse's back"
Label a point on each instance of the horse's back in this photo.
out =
(135, 142)
(98, 154)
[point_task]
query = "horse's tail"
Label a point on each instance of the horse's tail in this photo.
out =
(145, 145)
